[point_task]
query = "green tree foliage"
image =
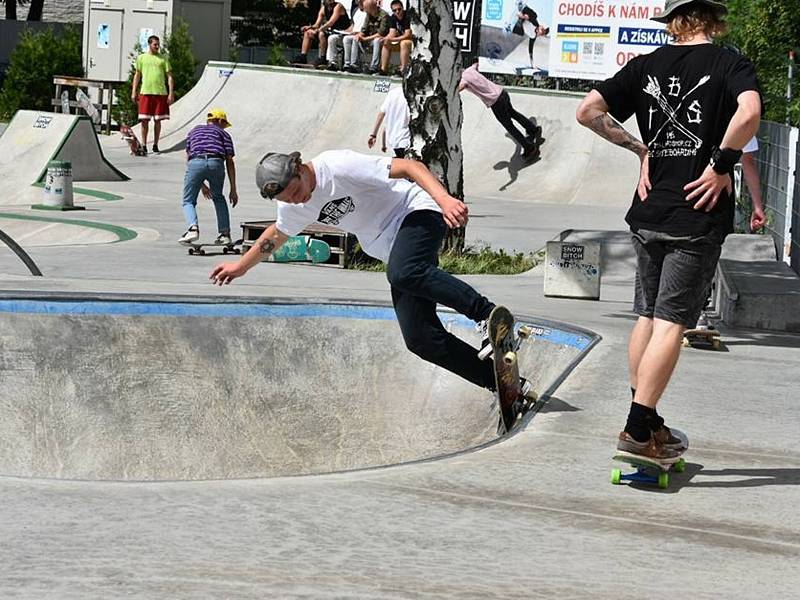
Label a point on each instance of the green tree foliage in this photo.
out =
(33, 63)
(271, 22)
(765, 31)
(178, 46)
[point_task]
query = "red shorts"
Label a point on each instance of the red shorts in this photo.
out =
(153, 107)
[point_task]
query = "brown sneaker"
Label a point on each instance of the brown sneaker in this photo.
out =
(665, 437)
(650, 449)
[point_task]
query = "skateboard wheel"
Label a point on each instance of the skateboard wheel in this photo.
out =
(510, 358)
(616, 476)
(524, 332)
(201, 252)
(680, 465)
(685, 343)
(716, 344)
(191, 250)
(663, 480)
(225, 250)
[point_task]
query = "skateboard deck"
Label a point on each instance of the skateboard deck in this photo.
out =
(650, 470)
(65, 102)
(131, 139)
(504, 345)
(702, 337)
(302, 248)
(86, 104)
(200, 247)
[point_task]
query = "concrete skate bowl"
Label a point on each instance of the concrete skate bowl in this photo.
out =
(145, 389)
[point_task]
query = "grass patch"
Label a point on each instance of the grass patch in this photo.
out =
(473, 261)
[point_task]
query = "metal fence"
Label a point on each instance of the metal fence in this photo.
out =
(777, 158)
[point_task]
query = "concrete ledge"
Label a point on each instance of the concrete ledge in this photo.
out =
(758, 294)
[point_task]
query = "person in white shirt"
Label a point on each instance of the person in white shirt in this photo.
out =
(399, 212)
(395, 115)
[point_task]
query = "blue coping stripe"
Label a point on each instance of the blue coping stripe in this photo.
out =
(189, 309)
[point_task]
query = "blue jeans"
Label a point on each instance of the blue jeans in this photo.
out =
(199, 170)
(418, 284)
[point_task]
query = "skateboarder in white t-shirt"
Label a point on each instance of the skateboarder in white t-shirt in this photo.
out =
(400, 212)
(395, 115)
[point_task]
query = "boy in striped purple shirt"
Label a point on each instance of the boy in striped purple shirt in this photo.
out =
(209, 152)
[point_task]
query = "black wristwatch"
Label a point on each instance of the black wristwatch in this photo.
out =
(723, 159)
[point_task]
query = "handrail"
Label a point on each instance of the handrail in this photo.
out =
(23, 256)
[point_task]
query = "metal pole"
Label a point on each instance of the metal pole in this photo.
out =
(789, 81)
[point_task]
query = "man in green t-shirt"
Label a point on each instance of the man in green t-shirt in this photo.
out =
(154, 73)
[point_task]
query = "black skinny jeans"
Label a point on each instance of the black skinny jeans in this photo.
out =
(504, 113)
(418, 285)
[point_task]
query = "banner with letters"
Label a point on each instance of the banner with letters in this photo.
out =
(578, 39)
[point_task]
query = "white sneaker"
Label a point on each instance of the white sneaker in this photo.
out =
(192, 235)
(702, 322)
(486, 346)
(223, 239)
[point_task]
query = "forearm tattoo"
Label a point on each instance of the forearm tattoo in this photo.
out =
(607, 128)
(267, 246)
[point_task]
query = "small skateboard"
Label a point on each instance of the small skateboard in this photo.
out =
(133, 142)
(65, 102)
(702, 337)
(504, 345)
(86, 104)
(302, 248)
(199, 247)
(650, 470)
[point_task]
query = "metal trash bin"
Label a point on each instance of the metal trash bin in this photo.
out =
(58, 184)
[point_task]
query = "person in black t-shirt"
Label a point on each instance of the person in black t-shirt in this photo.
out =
(399, 38)
(332, 16)
(696, 106)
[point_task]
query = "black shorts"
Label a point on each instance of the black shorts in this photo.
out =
(673, 275)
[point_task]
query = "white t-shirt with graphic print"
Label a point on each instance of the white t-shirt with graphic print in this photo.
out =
(355, 193)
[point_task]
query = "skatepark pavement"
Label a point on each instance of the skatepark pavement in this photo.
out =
(529, 516)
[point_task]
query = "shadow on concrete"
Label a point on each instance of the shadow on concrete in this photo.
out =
(555, 404)
(772, 339)
(517, 162)
(746, 478)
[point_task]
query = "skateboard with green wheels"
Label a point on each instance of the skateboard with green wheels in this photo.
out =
(302, 248)
(650, 470)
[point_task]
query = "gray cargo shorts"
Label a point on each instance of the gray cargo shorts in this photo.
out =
(673, 275)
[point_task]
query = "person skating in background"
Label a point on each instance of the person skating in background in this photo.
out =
(498, 100)
(209, 153)
(394, 115)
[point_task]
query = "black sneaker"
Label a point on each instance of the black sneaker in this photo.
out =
(299, 59)
(142, 151)
(155, 149)
(531, 153)
(333, 67)
(320, 63)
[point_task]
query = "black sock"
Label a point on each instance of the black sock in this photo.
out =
(658, 420)
(639, 425)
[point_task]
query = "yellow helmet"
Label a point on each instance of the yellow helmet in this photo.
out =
(217, 114)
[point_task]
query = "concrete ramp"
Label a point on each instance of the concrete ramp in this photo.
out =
(152, 390)
(33, 139)
(282, 109)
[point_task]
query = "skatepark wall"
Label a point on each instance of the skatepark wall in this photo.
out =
(179, 391)
(283, 109)
(32, 139)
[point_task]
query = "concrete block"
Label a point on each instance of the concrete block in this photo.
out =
(572, 270)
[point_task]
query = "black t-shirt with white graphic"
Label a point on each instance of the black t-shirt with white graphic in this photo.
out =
(684, 97)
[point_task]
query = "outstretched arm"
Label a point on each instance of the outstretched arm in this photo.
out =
(454, 211)
(269, 241)
(593, 113)
(751, 179)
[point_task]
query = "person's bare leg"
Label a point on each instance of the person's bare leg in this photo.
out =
(145, 130)
(405, 54)
(306, 45)
(658, 362)
(156, 132)
(640, 337)
(323, 45)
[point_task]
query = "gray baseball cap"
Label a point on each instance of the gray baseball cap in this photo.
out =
(672, 5)
(274, 172)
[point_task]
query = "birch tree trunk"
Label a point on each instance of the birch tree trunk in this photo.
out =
(431, 88)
